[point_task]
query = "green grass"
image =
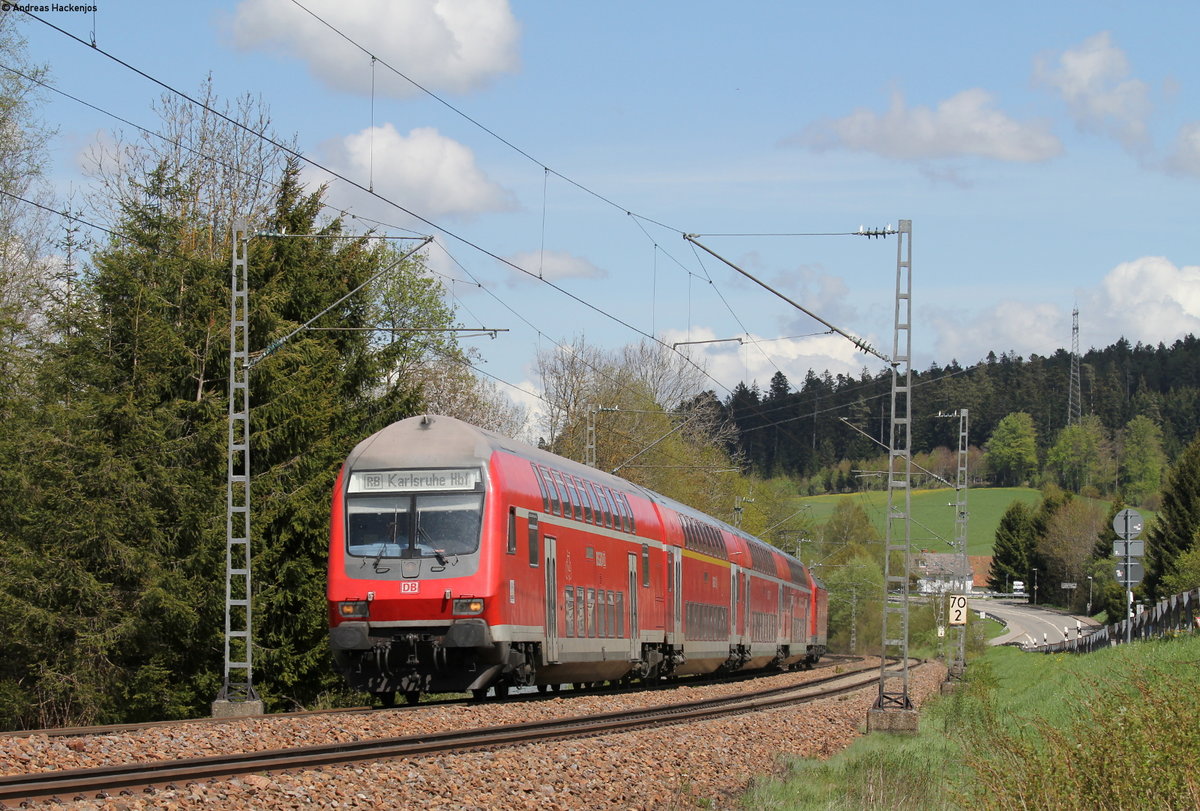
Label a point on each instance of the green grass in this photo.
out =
(933, 513)
(1114, 729)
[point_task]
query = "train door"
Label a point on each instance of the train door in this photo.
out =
(746, 625)
(635, 646)
(550, 565)
(675, 569)
(735, 585)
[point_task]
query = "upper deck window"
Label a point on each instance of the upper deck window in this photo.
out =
(583, 498)
(628, 512)
(537, 475)
(592, 513)
(605, 508)
(552, 491)
(575, 496)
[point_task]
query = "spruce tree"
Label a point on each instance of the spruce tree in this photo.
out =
(1174, 531)
(1012, 548)
(312, 400)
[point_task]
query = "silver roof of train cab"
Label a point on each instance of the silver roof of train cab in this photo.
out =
(427, 441)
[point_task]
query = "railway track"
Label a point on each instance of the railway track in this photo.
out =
(831, 660)
(79, 784)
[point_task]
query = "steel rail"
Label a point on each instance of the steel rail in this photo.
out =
(104, 780)
(688, 681)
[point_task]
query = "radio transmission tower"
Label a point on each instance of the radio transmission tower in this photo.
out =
(1074, 400)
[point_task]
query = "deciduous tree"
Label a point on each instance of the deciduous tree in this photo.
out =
(1012, 449)
(1142, 460)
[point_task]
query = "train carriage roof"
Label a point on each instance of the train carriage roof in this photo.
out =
(431, 441)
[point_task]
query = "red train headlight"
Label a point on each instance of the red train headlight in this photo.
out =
(354, 609)
(468, 605)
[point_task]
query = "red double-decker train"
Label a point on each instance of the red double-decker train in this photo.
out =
(461, 560)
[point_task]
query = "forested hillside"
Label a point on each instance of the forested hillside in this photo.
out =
(799, 430)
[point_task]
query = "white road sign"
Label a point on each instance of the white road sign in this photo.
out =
(958, 609)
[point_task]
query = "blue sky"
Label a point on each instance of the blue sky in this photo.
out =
(1048, 156)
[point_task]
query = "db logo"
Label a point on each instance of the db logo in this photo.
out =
(410, 587)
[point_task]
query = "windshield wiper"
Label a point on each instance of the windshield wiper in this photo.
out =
(439, 554)
(378, 558)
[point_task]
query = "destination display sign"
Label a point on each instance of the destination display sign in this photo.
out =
(400, 481)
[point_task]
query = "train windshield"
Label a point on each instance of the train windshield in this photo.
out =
(414, 526)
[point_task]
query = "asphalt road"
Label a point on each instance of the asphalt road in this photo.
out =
(1031, 625)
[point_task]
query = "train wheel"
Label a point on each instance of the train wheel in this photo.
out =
(543, 688)
(479, 694)
(387, 699)
(501, 690)
(412, 697)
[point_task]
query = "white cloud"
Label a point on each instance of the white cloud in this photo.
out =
(455, 45)
(759, 357)
(1007, 326)
(424, 171)
(1185, 155)
(527, 394)
(819, 292)
(554, 266)
(1093, 80)
(1148, 299)
(964, 124)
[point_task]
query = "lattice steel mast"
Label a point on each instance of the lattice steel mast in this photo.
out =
(237, 695)
(893, 684)
(238, 684)
(1074, 398)
(958, 642)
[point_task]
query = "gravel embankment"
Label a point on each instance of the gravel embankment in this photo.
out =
(673, 767)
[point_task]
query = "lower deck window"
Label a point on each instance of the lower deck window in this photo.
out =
(569, 609)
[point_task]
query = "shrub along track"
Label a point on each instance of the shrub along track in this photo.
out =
(127, 778)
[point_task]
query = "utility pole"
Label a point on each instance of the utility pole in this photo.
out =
(854, 619)
(958, 662)
(738, 501)
(1074, 397)
(589, 450)
(237, 696)
(893, 709)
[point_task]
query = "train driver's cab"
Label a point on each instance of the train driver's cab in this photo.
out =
(412, 516)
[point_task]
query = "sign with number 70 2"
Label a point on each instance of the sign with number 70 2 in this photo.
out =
(958, 609)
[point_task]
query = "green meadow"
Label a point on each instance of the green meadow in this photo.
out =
(1112, 729)
(933, 514)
